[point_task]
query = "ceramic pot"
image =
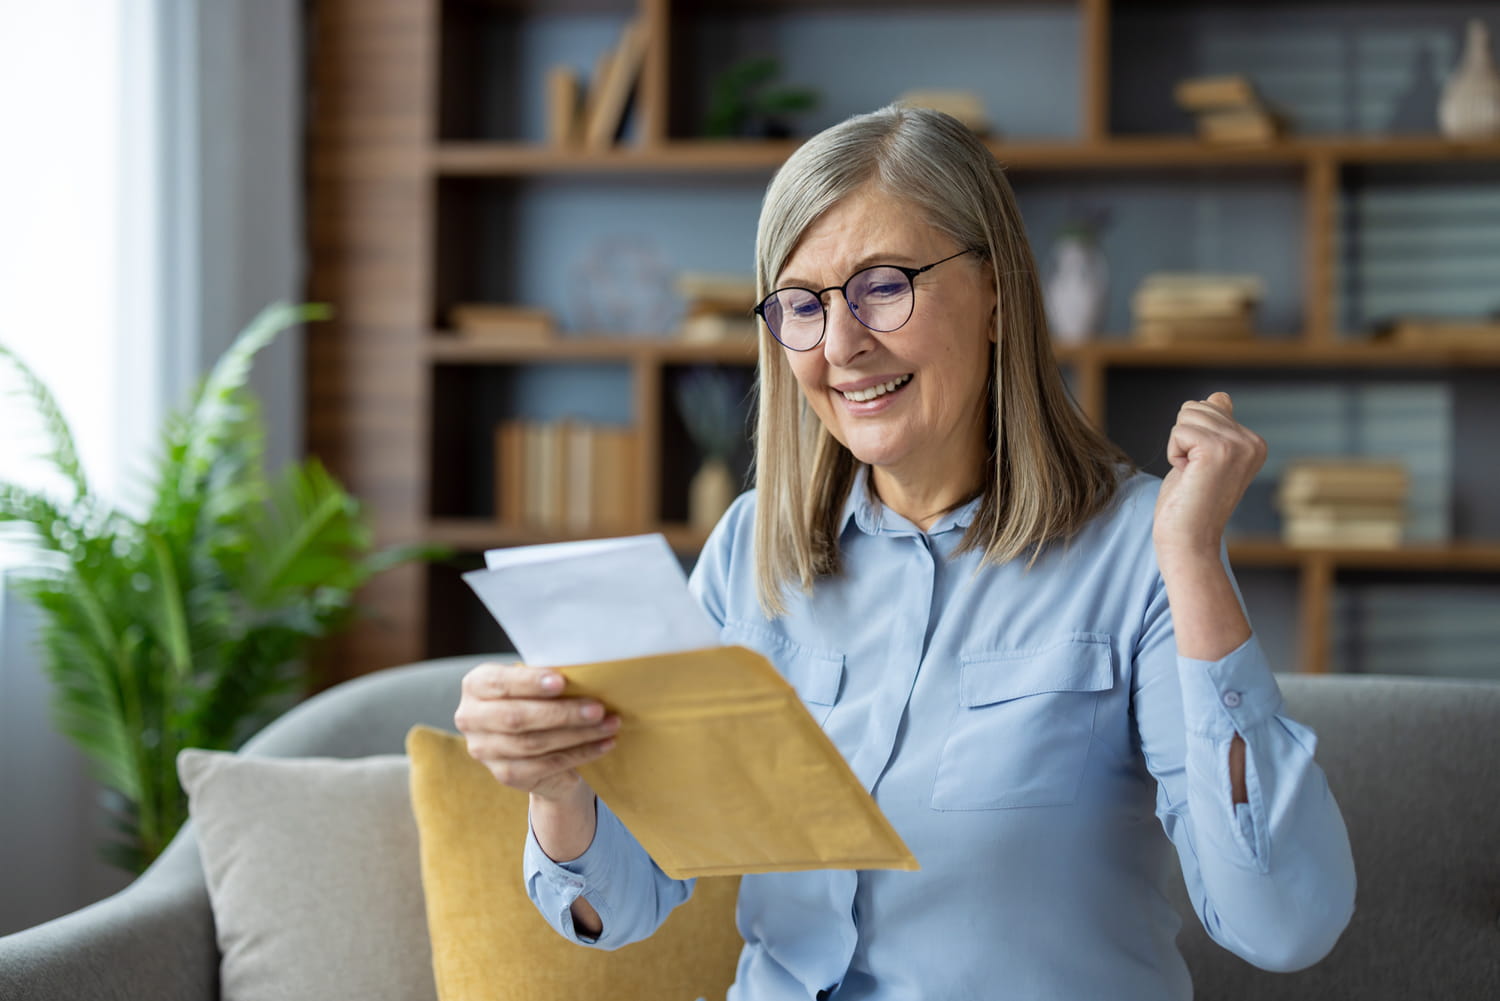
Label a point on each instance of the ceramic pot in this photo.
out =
(1470, 108)
(710, 494)
(1076, 291)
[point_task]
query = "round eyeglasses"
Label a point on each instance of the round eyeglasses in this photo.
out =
(880, 297)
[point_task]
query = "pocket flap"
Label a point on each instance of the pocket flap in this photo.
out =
(1079, 664)
(815, 674)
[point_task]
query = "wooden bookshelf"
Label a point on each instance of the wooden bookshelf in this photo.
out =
(391, 130)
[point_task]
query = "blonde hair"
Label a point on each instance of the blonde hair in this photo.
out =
(1049, 471)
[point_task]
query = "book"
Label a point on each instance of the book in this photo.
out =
(607, 103)
(1345, 480)
(1208, 92)
(578, 514)
(510, 472)
(1360, 536)
(702, 288)
(495, 321)
(1252, 286)
(1207, 300)
(1238, 126)
(1193, 330)
(704, 327)
(1417, 332)
(564, 104)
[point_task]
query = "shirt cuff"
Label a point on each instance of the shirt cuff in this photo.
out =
(1233, 694)
(555, 885)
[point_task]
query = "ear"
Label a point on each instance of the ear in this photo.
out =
(994, 324)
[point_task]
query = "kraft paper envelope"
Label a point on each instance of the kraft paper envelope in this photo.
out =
(720, 770)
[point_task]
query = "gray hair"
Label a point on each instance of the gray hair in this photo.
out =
(1049, 470)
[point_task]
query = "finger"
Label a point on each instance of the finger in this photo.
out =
(1206, 412)
(506, 681)
(1222, 402)
(525, 715)
(539, 743)
(527, 773)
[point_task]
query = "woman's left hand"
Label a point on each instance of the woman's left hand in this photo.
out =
(1213, 459)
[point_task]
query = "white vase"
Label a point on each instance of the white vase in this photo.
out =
(1076, 291)
(1470, 108)
(710, 494)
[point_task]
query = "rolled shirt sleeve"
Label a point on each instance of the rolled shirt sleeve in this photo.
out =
(615, 875)
(1271, 879)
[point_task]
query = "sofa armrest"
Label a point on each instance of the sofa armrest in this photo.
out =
(152, 941)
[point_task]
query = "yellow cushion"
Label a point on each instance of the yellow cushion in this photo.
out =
(489, 942)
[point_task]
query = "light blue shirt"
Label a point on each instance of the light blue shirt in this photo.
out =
(1030, 734)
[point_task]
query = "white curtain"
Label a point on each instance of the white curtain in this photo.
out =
(150, 204)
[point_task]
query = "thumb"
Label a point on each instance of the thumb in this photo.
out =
(1223, 402)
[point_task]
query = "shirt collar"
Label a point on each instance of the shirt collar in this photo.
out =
(874, 518)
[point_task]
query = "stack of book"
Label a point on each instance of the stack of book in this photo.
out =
(717, 307)
(1228, 109)
(592, 117)
(1343, 502)
(1432, 332)
(1176, 308)
(497, 322)
(567, 476)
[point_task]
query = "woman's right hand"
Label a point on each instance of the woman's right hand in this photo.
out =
(518, 725)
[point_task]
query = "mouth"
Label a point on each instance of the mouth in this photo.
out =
(876, 391)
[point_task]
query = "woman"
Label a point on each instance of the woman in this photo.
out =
(1024, 648)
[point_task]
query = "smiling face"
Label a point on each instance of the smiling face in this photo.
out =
(924, 434)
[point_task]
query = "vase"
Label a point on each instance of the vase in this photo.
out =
(1470, 108)
(710, 494)
(1076, 291)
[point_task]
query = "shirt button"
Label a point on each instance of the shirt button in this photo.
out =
(1231, 700)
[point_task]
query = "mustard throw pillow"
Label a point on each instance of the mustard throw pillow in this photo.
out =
(488, 941)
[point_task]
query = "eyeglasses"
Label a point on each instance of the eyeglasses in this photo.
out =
(880, 297)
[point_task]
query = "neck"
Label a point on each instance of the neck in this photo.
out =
(923, 499)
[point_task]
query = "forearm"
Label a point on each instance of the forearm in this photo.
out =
(564, 830)
(1209, 624)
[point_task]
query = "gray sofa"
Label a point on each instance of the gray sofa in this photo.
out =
(1415, 765)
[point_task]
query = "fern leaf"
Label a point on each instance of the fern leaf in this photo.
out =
(62, 451)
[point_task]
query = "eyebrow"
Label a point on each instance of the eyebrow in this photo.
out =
(859, 265)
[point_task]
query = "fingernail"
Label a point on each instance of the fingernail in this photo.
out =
(612, 724)
(592, 712)
(552, 682)
(605, 745)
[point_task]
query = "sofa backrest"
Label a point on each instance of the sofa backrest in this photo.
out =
(1415, 767)
(1413, 763)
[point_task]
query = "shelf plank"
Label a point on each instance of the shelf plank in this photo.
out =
(516, 159)
(478, 534)
(1278, 353)
(474, 535)
(449, 349)
(1468, 555)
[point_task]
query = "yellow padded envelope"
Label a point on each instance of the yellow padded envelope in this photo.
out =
(720, 770)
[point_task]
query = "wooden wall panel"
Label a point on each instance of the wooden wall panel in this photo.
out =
(372, 71)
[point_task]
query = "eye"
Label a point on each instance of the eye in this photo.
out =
(886, 290)
(806, 310)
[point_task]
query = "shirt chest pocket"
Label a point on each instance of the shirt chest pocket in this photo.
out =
(815, 674)
(1025, 720)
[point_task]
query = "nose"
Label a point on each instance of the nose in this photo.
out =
(844, 337)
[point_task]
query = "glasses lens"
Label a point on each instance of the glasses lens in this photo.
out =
(880, 298)
(795, 317)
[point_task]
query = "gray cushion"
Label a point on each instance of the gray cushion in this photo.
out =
(312, 867)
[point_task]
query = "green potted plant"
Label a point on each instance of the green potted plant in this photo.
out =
(743, 103)
(187, 626)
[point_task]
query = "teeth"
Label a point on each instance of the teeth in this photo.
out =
(865, 395)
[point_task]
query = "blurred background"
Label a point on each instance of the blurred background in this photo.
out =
(534, 222)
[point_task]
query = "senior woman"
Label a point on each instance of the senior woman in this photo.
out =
(1033, 655)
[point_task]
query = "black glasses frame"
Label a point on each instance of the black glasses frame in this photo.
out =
(910, 273)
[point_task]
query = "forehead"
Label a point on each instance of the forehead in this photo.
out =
(867, 227)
